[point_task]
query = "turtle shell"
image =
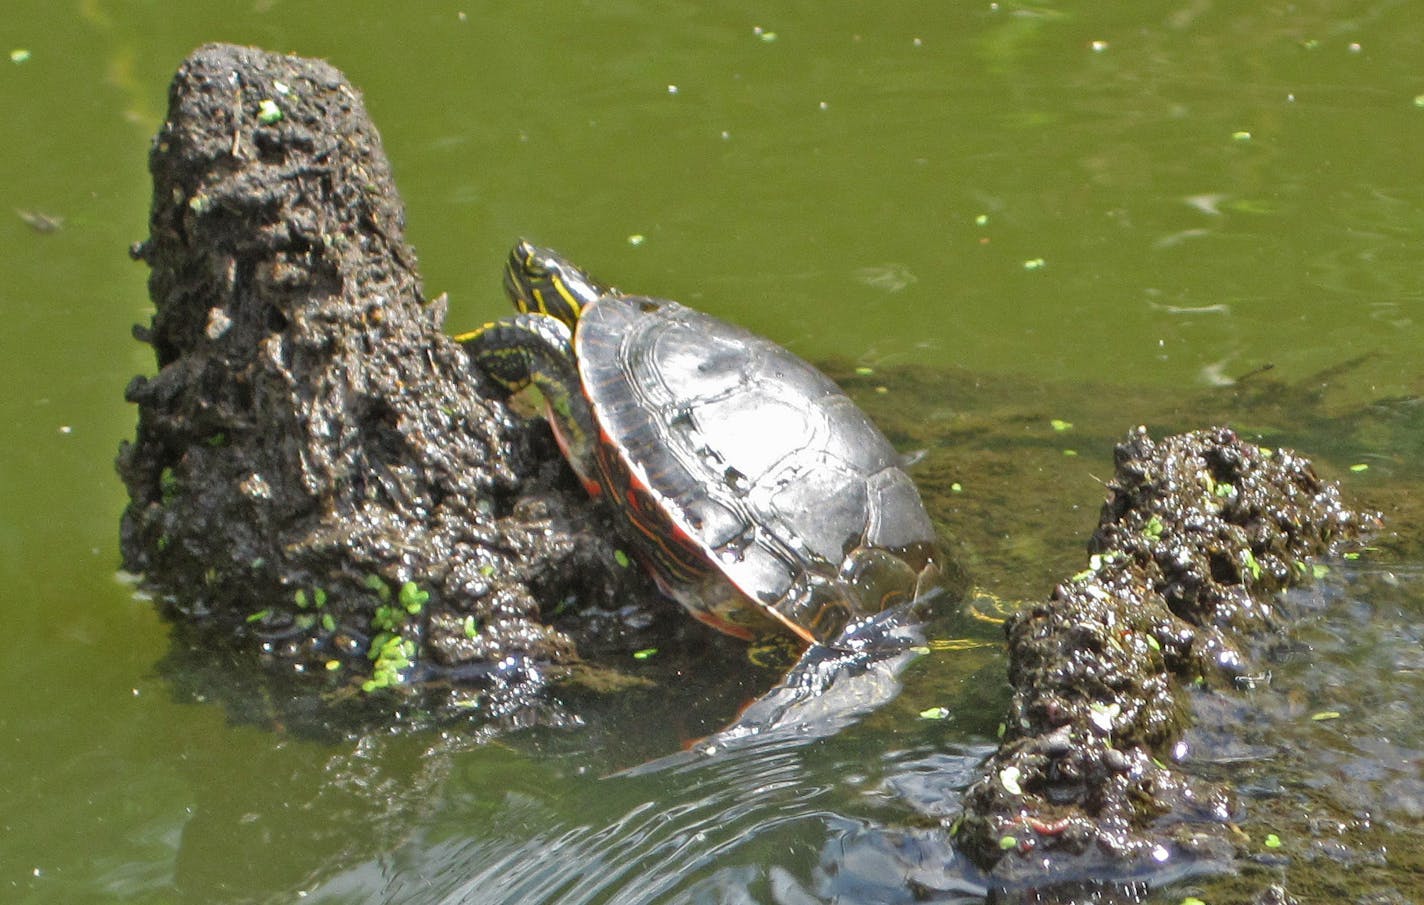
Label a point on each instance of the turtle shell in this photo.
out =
(759, 493)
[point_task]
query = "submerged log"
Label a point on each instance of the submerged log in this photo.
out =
(1198, 534)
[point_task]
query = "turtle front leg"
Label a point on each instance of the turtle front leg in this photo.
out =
(533, 348)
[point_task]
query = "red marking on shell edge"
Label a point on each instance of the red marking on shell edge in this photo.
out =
(722, 625)
(797, 630)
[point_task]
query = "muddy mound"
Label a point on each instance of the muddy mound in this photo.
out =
(316, 469)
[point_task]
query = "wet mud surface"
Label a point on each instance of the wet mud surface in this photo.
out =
(316, 472)
(1199, 531)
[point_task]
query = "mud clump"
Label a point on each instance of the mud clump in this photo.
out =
(316, 471)
(1199, 531)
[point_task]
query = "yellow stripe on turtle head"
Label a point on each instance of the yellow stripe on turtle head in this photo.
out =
(539, 280)
(571, 305)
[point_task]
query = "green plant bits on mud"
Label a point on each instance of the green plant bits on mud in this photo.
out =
(167, 485)
(388, 618)
(1253, 568)
(378, 584)
(412, 598)
(390, 658)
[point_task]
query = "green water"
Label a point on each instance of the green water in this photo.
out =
(1210, 189)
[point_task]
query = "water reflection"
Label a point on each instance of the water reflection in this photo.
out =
(743, 827)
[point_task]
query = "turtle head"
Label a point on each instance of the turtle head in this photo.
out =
(542, 281)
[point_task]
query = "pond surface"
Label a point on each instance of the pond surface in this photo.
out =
(1106, 214)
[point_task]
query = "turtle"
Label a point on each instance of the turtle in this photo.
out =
(749, 485)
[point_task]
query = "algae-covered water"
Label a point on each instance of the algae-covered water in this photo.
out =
(985, 217)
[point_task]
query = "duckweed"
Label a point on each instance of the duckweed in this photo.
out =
(412, 598)
(378, 584)
(388, 618)
(1153, 529)
(392, 655)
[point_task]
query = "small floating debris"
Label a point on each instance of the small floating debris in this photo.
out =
(1009, 779)
(890, 277)
(40, 221)
(19, 55)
